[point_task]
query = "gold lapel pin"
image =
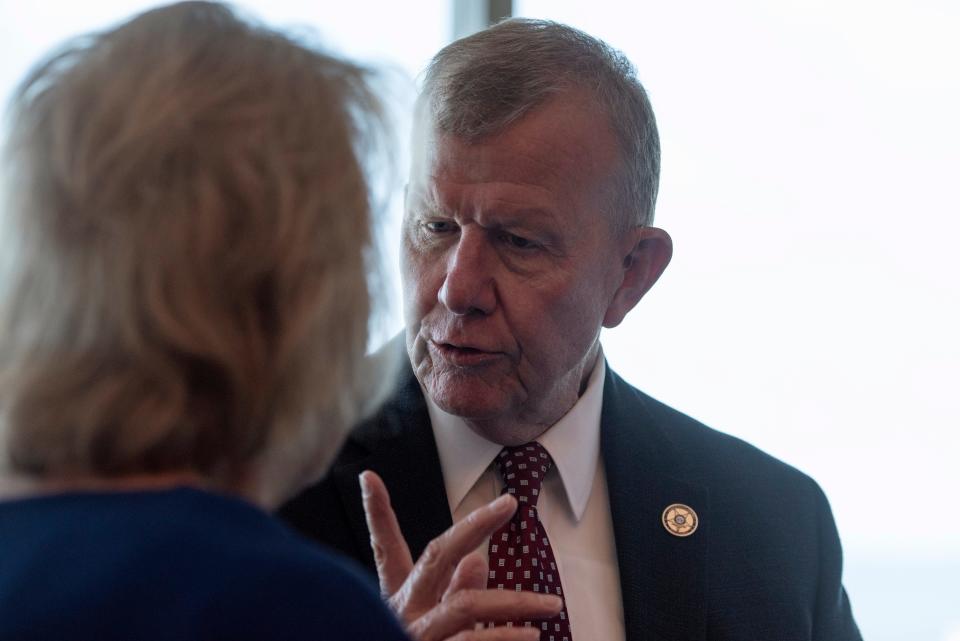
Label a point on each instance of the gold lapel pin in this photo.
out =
(680, 519)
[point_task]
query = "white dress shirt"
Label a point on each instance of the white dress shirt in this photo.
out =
(573, 506)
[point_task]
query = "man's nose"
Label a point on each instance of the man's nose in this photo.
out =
(469, 285)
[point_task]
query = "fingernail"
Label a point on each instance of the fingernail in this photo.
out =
(364, 487)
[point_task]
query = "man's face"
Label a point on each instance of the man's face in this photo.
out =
(511, 265)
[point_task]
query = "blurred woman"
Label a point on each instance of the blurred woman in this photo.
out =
(183, 314)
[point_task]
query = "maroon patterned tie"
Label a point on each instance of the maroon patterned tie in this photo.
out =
(520, 554)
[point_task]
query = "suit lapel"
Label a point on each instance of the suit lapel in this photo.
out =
(402, 450)
(662, 576)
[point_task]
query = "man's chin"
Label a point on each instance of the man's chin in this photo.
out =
(468, 406)
(470, 400)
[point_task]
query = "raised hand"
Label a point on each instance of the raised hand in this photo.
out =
(443, 595)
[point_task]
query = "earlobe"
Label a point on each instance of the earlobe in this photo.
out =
(645, 258)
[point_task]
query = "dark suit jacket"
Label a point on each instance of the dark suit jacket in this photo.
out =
(763, 565)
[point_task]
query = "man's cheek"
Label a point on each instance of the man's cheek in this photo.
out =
(415, 285)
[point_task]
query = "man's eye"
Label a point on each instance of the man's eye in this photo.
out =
(440, 226)
(519, 242)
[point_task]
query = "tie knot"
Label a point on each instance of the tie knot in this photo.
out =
(522, 469)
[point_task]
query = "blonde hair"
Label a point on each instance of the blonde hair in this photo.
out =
(187, 247)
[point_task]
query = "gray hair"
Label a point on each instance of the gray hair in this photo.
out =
(186, 255)
(479, 85)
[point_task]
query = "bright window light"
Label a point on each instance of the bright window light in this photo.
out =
(810, 161)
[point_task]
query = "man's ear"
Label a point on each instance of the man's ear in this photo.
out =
(644, 259)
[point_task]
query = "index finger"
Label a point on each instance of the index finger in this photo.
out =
(390, 551)
(432, 573)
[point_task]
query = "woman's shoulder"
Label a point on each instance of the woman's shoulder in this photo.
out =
(281, 585)
(284, 586)
(263, 580)
(298, 592)
(183, 564)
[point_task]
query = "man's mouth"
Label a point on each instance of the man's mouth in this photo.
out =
(464, 355)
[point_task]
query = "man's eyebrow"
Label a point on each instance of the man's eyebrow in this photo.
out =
(421, 199)
(509, 216)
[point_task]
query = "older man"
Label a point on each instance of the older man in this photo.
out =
(527, 230)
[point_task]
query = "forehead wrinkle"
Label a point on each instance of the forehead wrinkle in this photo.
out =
(507, 212)
(540, 159)
(582, 164)
(561, 149)
(492, 198)
(552, 152)
(420, 196)
(534, 158)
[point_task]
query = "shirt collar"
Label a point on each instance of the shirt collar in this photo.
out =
(573, 442)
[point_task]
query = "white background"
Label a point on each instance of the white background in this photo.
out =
(811, 167)
(811, 153)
